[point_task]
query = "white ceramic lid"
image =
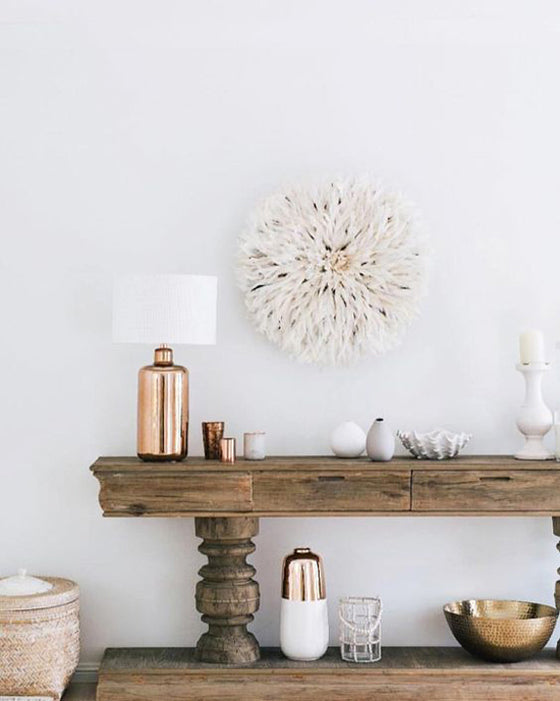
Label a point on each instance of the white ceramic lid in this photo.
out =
(23, 584)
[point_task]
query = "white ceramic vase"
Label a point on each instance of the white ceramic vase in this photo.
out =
(348, 440)
(304, 629)
(380, 443)
(534, 419)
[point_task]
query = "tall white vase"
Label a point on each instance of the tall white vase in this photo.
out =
(380, 443)
(535, 418)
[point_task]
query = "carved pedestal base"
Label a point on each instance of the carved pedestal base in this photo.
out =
(227, 596)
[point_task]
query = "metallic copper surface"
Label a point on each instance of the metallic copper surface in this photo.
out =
(303, 578)
(212, 434)
(501, 631)
(163, 409)
(227, 450)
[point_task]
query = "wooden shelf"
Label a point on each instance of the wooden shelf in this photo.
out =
(292, 463)
(329, 486)
(404, 674)
(227, 501)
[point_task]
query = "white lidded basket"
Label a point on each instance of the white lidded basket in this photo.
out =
(39, 635)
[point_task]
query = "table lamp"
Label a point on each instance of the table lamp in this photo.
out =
(164, 310)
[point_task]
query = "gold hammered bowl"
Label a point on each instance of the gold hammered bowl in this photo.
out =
(501, 631)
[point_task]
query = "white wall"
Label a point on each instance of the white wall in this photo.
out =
(136, 135)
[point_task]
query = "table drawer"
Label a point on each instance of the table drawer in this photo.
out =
(153, 495)
(331, 492)
(485, 490)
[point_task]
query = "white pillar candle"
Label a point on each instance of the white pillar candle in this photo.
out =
(254, 445)
(531, 347)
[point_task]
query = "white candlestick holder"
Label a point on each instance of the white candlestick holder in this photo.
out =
(535, 418)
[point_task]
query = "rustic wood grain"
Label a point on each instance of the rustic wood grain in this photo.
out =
(158, 493)
(404, 674)
(227, 595)
(334, 514)
(328, 486)
(320, 462)
(486, 490)
(321, 491)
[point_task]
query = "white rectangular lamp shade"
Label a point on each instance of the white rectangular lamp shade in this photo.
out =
(170, 309)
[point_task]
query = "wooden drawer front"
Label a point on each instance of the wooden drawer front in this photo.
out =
(331, 492)
(147, 494)
(486, 490)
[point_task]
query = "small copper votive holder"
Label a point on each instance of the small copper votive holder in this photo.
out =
(227, 446)
(212, 434)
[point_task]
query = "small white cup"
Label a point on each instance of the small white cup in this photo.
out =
(254, 445)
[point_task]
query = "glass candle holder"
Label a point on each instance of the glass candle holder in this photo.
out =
(254, 445)
(360, 628)
(212, 434)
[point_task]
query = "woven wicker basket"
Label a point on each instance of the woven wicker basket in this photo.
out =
(39, 641)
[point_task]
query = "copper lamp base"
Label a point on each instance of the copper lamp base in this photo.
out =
(163, 409)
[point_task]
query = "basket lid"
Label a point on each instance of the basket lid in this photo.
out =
(22, 584)
(23, 592)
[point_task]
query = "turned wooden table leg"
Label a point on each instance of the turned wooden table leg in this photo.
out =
(556, 531)
(227, 595)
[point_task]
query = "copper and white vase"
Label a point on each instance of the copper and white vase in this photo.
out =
(304, 624)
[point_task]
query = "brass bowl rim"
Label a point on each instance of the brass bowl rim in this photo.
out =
(548, 611)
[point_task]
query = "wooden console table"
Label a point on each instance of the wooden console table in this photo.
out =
(227, 501)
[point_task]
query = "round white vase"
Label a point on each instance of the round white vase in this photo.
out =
(348, 440)
(304, 629)
(380, 443)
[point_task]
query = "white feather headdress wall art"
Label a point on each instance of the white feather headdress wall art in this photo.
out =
(333, 272)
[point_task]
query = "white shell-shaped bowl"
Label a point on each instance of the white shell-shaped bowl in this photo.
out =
(436, 445)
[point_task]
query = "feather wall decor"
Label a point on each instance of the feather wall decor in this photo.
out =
(334, 272)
